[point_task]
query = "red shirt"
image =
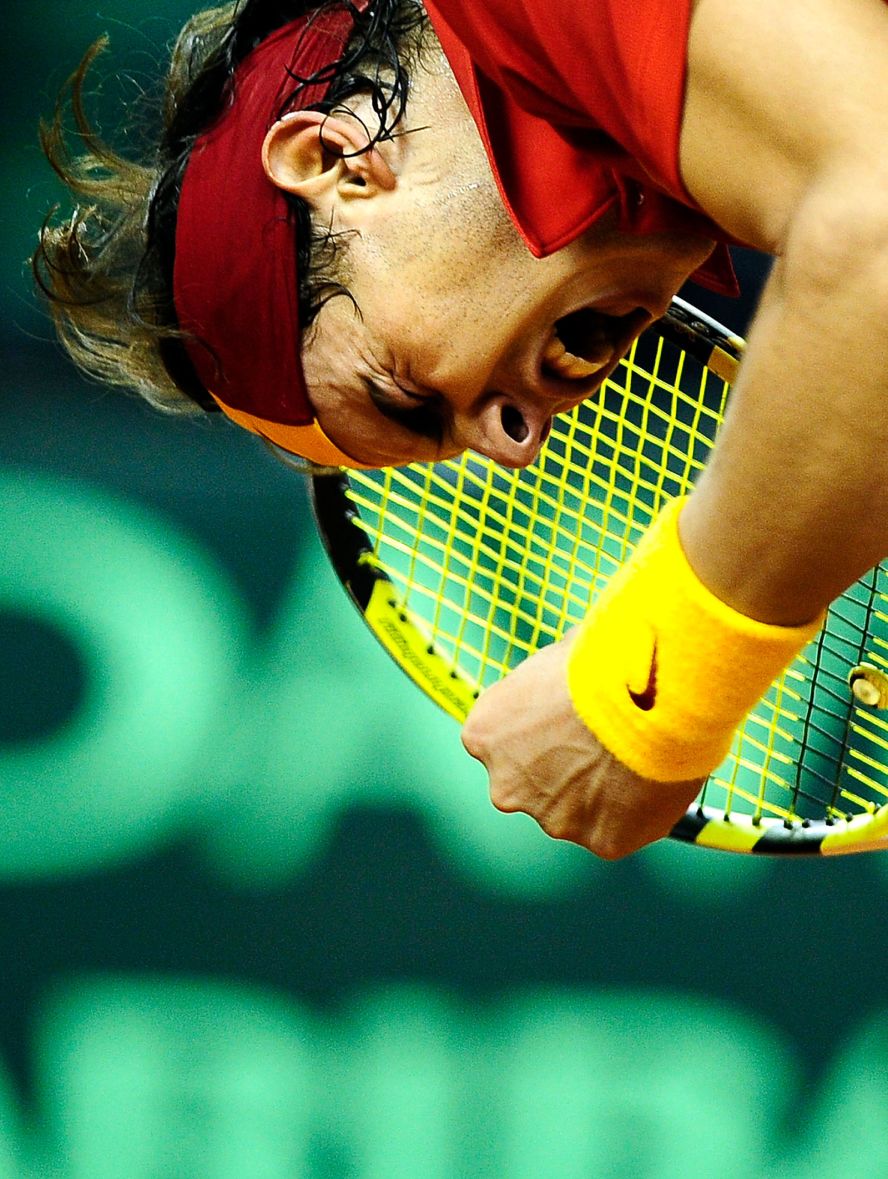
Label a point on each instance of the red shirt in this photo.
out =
(579, 106)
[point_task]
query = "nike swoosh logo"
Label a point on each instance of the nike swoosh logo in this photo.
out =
(646, 699)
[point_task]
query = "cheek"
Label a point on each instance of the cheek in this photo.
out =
(446, 283)
(330, 351)
(441, 246)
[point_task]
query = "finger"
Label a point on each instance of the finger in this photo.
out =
(506, 805)
(471, 737)
(476, 730)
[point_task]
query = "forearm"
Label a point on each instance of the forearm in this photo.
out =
(784, 144)
(793, 505)
(790, 510)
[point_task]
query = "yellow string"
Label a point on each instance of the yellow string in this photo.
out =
(497, 563)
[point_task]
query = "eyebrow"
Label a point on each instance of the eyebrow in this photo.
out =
(426, 419)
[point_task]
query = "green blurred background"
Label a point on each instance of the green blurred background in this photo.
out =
(257, 917)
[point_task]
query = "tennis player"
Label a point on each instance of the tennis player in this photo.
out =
(372, 233)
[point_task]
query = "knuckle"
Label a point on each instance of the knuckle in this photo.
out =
(609, 847)
(502, 798)
(559, 824)
(472, 740)
(555, 827)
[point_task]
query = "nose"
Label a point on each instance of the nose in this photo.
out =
(507, 429)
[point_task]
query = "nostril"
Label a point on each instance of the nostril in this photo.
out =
(514, 424)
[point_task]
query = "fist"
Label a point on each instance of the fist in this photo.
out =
(542, 760)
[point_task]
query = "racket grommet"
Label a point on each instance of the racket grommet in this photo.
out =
(869, 685)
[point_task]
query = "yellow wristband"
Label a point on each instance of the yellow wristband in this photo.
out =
(662, 671)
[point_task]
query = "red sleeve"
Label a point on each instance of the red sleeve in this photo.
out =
(606, 65)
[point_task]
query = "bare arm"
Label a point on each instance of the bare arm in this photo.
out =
(785, 143)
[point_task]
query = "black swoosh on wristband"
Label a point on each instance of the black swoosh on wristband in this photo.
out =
(646, 699)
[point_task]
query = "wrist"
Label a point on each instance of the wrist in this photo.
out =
(662, 671)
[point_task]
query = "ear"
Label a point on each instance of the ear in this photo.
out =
(318, 156)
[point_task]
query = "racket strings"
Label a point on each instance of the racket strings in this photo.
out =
(492, 564)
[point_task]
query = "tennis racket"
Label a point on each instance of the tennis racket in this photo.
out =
(463, 568)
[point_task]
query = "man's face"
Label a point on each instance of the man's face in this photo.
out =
(458, 338)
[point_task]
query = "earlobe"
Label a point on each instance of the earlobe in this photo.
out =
(315, 155)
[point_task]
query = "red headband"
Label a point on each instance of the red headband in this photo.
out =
(235, 280)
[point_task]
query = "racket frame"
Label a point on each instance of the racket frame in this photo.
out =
(402, 633)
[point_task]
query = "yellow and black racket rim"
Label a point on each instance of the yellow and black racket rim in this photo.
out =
(463, 568)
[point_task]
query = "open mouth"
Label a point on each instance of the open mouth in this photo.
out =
(588, 342)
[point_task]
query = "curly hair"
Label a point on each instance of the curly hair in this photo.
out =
(106, 269)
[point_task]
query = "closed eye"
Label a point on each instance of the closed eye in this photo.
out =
(426, 417)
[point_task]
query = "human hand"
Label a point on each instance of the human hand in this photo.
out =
(542, 760)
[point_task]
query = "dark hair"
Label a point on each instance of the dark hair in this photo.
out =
(107, 269)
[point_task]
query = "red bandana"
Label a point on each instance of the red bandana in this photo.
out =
(235, 280)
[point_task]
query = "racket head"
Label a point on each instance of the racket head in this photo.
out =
(463, 568)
